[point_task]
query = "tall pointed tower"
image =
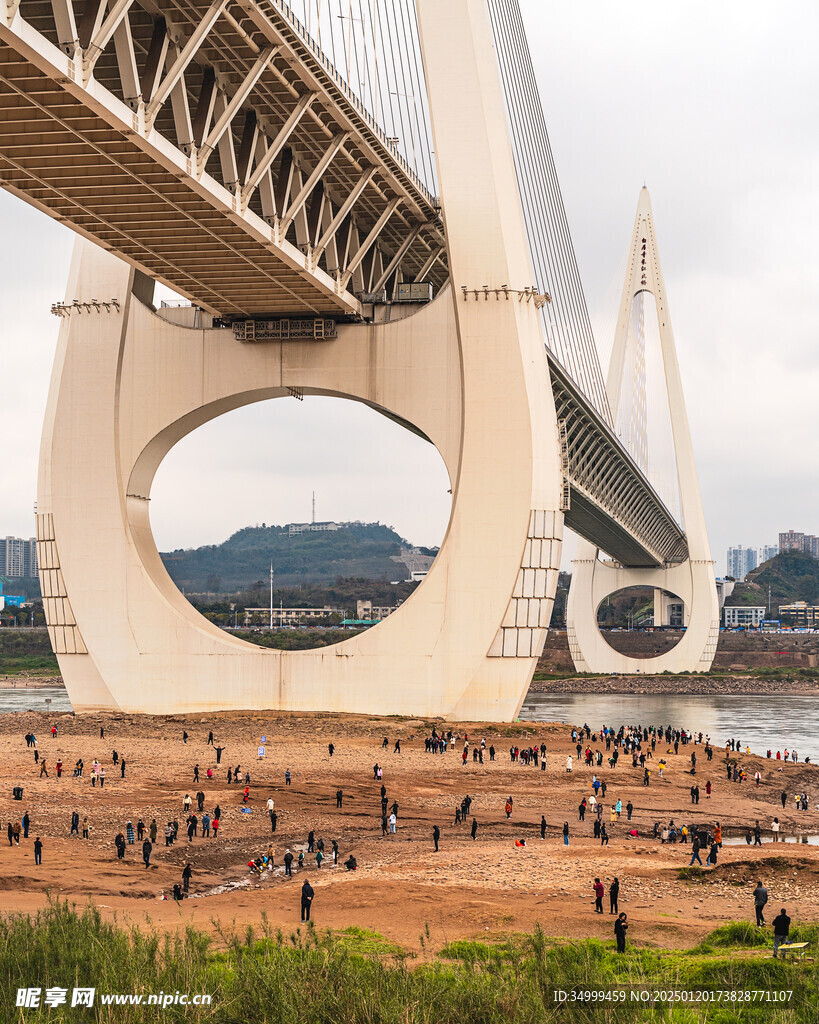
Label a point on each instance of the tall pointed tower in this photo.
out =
(692, 581)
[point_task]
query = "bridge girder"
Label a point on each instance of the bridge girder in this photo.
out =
(214, 148)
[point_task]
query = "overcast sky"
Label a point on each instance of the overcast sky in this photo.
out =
(714, 106)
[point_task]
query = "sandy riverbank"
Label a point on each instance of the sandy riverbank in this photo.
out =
(482, 887)
(683, 685)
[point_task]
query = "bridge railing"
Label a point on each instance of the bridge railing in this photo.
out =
(308, 40)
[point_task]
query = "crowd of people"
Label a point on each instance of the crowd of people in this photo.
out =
(599, 758)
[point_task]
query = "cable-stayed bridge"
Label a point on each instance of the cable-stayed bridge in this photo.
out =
(313, 171)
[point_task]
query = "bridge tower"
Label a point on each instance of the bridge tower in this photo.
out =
(469, 371)
(692, 580)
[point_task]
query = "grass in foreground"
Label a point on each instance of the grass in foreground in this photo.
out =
(358, 977)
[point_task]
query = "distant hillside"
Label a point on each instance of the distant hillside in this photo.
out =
(791, 576)
(367, 550)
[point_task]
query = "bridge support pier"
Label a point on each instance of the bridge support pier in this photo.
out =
(470, 374)
(692, 580)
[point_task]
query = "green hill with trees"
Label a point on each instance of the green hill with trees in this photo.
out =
(368, 550)
(792, 576)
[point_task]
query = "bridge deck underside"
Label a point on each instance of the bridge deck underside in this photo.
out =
(288, 202)
(56, 154)
(612, 504)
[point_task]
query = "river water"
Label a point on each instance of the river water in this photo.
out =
(770, 721)
(34, 699)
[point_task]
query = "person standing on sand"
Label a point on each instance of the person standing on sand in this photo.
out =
(210, 739)
(147, 847)
(436, 835)
(760, 899)
(219, 751)
(543, 826)
(339, 797)
(307, 895)
(629, 810)
(614, 896)
(598, 896)
(187, 871)
(287, 777)
(508, 808)
(122, 768)
(569, 763)
(474, 829)
(86, 829)
(38, 853)
(75, 824)
(783, 796)
(620, 929)
(775, 827)
(288, 863)
(565, 833)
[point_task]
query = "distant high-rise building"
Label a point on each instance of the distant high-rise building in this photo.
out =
(792, 540)
(740, 561)
(18, 556)
(765, 552)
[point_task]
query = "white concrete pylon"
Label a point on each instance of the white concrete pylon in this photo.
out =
(692, 580)
(468, 372)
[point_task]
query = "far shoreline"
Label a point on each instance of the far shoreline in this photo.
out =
(703, 686)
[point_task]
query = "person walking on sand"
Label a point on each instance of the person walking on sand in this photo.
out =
(508, 807)
(695, 852)
(43, 770)
(147, 847)
(38, 852)
(436, 835)
(474, 829)
(614, 896)
(775, 828)
(760, 899)
(620, 929)
(598, 896)
(307, 895)
(569, 763)
(543, 826)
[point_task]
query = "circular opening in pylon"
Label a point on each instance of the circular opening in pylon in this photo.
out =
(641, 622)
(346, 507)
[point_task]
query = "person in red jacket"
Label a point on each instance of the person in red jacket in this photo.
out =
(598, 896)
